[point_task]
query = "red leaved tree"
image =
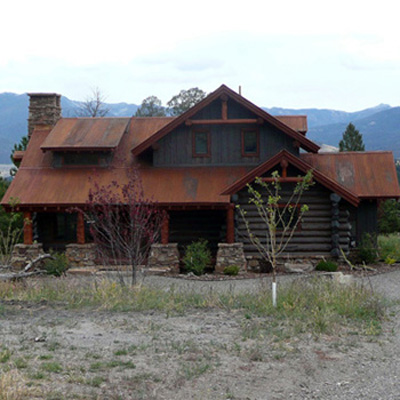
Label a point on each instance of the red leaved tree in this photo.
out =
(123, 222)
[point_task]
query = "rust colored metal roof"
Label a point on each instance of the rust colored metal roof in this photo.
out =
(224, 90)
(37, 183)
(303, 166)
(86, 134)
(18, 155)
(297, 122)
(367, 174)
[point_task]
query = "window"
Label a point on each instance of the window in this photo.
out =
(250, 143)
(81, 159)
(201, 141)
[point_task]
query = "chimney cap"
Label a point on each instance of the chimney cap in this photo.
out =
(44, 95)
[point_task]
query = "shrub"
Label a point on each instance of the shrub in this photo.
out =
(58, 265)
(232, 270)
(389, 246)
(367, 250)
(197, 257)
(389, 217)
(389, 260)
(328, 266)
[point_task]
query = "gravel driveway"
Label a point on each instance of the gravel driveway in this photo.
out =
(203, 354)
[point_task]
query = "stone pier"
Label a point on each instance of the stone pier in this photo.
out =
(164, 257)
(230, 254)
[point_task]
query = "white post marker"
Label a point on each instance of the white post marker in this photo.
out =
(274, 294)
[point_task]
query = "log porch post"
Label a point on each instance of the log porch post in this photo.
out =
(230, 224)
(80, 229)
(165, 229)
(28, 229)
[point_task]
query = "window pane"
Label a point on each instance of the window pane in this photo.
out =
(250, 142)
(201, 142)
(81, 158)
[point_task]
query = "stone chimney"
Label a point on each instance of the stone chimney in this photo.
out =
(44, 109)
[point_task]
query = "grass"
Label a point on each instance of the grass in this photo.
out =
(389, 246)
(318, 305)
(14, 386)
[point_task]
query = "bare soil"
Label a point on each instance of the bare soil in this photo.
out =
(208, 354)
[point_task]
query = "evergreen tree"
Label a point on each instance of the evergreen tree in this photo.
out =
(352, 140)
(21, 146)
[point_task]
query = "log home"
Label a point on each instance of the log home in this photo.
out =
(196, 167)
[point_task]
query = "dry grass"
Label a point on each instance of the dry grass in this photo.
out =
(13, 386)
(319, 305)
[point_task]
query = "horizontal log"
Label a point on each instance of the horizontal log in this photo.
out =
(297, 254)
(297, 247)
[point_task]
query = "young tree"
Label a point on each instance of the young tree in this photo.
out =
(184, 100)
(280, 217)
(94, 105)
(352, 140)
(123, 222)
(151, 107)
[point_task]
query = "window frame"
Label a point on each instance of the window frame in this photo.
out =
(201, 155)
(243, 132)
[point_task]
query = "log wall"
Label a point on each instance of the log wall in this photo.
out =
(313, 237)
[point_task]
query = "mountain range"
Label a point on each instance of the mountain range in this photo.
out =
(380, 125)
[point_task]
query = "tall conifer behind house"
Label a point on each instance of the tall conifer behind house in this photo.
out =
(352, 140)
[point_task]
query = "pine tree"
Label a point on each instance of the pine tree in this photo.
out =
(352, 140)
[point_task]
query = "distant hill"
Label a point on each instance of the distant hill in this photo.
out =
(379, 125)
(317, 117)
(381, 131)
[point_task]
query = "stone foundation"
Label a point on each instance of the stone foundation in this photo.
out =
(24, 253)
(164, 257)
(81, 255)
(230, 254)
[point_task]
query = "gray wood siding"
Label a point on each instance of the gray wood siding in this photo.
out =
(313, 237)
(175, 149)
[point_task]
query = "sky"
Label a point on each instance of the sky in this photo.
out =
(294, 54)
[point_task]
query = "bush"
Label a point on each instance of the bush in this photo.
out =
(389, 246)
(197, 257)
(58, 265)
(231, 270)
(367, 250)
(389, 217)
(328, 266)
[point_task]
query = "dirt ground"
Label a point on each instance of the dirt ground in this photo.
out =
(208, 354)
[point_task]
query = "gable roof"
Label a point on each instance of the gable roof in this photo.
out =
(369, 175)
(224, 90)
(299, 164)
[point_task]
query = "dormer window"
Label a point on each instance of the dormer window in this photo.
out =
(201, 143)
(250, 143)
(81, 159)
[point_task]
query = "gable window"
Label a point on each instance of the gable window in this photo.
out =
(250, 143)
(201, 142)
